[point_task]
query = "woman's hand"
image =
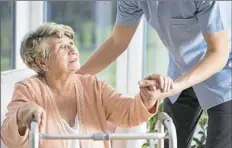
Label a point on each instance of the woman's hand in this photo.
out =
(158, 82)
(165, 84)
(27, 112)
(157, 87)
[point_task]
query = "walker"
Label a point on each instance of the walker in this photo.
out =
(170, 133)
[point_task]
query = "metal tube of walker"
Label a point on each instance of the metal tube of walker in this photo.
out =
(171, 129)
(105, 136)
(34, 135)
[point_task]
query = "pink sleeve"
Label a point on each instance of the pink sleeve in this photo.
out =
(9, 129)
(123, 110)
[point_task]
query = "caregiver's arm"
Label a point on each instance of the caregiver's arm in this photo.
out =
(114, 46)
(214, 18)
(214, 60)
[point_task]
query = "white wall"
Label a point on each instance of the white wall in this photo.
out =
(29, 15)
(129, 72)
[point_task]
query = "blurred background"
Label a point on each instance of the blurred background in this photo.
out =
(92, 22)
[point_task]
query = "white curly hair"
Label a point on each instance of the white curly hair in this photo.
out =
(34, 44)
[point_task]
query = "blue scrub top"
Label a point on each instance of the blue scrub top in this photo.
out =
(181, 25)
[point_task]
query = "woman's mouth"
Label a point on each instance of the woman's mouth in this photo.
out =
(73, 60)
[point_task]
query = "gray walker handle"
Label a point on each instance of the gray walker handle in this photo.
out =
(171, 129)
(35, 136)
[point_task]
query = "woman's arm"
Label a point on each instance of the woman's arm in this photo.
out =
(13, 133)
(126, 111)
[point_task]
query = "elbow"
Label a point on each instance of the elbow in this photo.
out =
(10, 135)
(219, 58)
(10, 140)
(4, 138)
(223, 61)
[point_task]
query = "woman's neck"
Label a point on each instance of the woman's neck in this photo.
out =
(60, 83)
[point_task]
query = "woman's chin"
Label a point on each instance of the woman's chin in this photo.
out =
(75, 66)
(74, 69)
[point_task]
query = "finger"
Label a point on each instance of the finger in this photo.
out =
(161, 82)
(148, 77)
(37, 115)
(146, 89)
(166, 81)
(168, 84)
(22, 117)
(43, 118)
(22, 114)
(43, 122)
(155, 77)
(152, 77)
(29, 117)
(172, 84)
(145, 83)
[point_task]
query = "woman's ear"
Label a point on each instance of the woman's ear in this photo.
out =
(41, 63)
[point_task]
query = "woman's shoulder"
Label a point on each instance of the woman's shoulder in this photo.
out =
(88, 81)
(32, 81)
(87, 78)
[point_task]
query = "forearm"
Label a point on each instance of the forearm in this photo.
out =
(129, 112)
(105, 55)
(212, 63)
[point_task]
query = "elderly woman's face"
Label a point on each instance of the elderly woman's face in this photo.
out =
(64, 56)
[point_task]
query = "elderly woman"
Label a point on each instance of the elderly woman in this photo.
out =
(64, 102)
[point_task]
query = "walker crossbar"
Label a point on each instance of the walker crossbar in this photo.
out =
(35, 136)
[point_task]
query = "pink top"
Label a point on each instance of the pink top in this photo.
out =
(97, 104)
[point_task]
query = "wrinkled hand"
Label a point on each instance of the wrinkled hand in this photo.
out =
(158, 82)
(30, 111)
(156, 87)
(162, 83)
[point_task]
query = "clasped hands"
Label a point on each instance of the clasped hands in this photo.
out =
(156, 87)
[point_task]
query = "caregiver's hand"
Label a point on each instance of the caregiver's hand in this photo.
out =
(158, 81)
(27, 112)
(165, 85)
(150, 89)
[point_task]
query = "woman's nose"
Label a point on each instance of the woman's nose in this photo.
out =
(72, 50)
